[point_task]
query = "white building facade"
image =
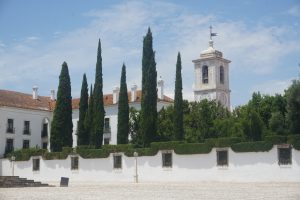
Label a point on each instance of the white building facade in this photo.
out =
(25, 119)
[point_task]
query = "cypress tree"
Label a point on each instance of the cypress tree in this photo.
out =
(88, 120)
(178, 110)
(83, 107)
(123, 110)
(149, 93)
(98, 107)
(62, 126)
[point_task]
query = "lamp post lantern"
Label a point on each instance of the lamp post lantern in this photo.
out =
(135, 154)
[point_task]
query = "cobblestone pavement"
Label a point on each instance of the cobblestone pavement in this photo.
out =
(165, 191)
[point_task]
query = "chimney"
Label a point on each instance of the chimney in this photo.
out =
(160, 88)
(133, 92)
(52, 95)
(116, 91)
(35, 92)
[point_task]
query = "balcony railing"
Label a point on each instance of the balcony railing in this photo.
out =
(44, 133)
(26, 131)
(106, 129)
(10, 129)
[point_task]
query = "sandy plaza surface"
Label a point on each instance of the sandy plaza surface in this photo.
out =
(203, 190)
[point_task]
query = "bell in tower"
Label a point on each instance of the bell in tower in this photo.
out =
(212, 75)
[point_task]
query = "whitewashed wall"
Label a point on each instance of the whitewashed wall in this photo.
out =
(36, 118)
(243, 167)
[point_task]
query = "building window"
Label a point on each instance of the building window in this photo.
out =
(10, 126)
(222, 158)
(35, 164)
(106, 140)
(45, 130)
(106, 125)
(204, 74)
(25, 144)
(74, 163)
(284, 155)
(9, 147)
(117, 161)
(167, 159)
(45, 144)
(26, 130)
(222, 75)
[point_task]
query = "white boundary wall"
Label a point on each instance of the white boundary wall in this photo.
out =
(242, 167)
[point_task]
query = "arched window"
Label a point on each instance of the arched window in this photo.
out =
(204, 74)
(222, 75)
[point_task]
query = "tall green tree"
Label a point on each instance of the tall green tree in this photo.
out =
(148, 127)
(253, 125)
(178, 101)
(134, 126)
(165, 126)
(293, 107)
(88, 120)
(98, 106)
(123, 110)
(82, 134)
(62, 126)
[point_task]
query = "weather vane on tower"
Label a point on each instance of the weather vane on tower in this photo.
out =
(211, 33)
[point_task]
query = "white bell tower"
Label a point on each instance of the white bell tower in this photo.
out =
(212, 76)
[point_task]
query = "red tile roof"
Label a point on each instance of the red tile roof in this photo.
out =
(22, 100)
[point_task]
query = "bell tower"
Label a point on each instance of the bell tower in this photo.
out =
(212, 75)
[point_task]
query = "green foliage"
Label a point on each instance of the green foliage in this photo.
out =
(223, 142)
(98, 105)
(293, 106)
(252, 146)
(294, 140)
(165, 145)
(93, 153)
(62, 126)
(193, 148)
(276, 139)
(134, 124)
(88, 120)
(179, 147)
(277, 123)
(165, 124)
(25, 154)
(148, 123)
(199, 120)
(252, 125)
(123, 110)
(178, 101)
(82, 134)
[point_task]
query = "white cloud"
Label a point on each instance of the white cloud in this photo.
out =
(294, 11)
(121, 29)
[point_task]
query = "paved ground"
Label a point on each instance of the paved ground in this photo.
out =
(165, 191)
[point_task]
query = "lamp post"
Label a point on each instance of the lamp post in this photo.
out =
(135, 154)
(13, 158)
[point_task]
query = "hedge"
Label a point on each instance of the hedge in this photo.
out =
(252, 146)
(25, 154)
(193, 148)
(276, 139)
(179, 147)
(93, 153)
(294, 140)
(165, 145)
(223, 142)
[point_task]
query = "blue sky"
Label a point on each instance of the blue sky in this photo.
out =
(261, 38)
